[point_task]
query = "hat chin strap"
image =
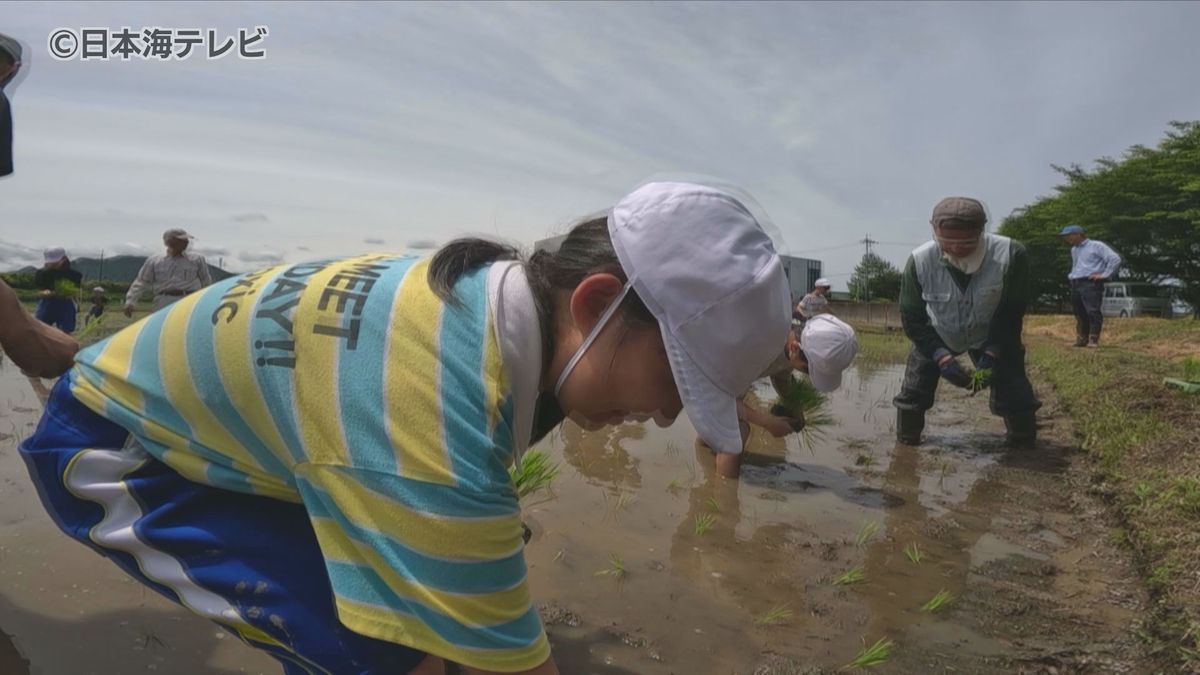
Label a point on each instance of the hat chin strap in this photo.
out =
(587, 342)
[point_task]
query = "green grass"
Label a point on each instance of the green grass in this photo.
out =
(874, 655)
(913, 553)
(704, 522)
(774, 617)
(875, 346)
(1191, 369)
(615, 569)
(1138, 435)
(938, 601)
(533, 473)
(852, 576)
(866, 532)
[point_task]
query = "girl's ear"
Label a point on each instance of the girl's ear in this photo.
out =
(592, 297)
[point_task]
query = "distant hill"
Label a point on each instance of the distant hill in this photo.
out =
(120, 269)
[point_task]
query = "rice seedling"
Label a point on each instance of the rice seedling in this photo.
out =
(713, 505)
(981, 379)
(613, 507)
(938, 601)
(864, 459)
(624, 500)
(675, 486)
(866, 532)
(853, 576)
(704, 522)
(800, 398)
(65, 288)
(775, 616)
(90, 329)
(150, 638)
(913, 553)
(944, 471)
(876, 654)
(802, 401)
(532, 473)
(615, 569)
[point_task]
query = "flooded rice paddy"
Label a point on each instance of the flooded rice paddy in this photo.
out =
(644, 561)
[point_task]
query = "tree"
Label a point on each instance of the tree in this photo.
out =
(1146, 205)
(875, 279)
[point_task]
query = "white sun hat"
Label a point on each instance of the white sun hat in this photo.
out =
(830, 346)
(710, 275)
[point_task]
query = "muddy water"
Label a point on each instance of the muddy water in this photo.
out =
(64, 610)
(1036, 585)
(1034, 582)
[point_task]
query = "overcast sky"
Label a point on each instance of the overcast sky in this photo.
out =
(396, 127)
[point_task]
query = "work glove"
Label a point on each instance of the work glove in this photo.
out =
(987, 361)
(955, 374)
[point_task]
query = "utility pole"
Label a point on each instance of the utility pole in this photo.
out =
(867, 242)
(101, 265)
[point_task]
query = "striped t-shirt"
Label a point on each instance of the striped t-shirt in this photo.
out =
(348, 386)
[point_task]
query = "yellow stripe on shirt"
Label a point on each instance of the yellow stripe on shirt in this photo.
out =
(468, 609)
(414, 409)
(408, 630)
(491, 537)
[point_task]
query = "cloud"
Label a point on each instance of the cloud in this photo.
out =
(129, 248)
(254, 217)
(303, 248)
(374, 241)
(421, 244)
(15, 256)
(209, 251)
(260, 256)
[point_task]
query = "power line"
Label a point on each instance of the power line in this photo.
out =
(829, 248)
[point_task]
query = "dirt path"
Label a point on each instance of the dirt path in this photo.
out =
(1012, 536)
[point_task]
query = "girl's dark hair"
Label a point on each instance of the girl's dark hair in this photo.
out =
(587, 249)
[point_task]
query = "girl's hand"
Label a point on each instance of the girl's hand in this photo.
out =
(782, 426)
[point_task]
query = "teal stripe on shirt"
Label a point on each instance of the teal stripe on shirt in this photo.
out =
(361, 372)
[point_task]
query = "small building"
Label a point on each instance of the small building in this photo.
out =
(802, 274)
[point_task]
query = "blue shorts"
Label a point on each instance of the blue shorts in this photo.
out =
(58, 312)
(249, 563)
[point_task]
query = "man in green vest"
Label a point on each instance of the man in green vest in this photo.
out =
(966, 292)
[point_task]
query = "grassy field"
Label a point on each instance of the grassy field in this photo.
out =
(1144, 440)
(1144, 444)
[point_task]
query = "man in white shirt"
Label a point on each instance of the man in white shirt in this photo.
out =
(816, 302)
(1092, 263)
(172, 275)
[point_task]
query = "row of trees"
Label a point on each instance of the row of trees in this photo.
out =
(1146, 205)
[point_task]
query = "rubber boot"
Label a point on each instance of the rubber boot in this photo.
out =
(909, 425)
(1021, 430)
